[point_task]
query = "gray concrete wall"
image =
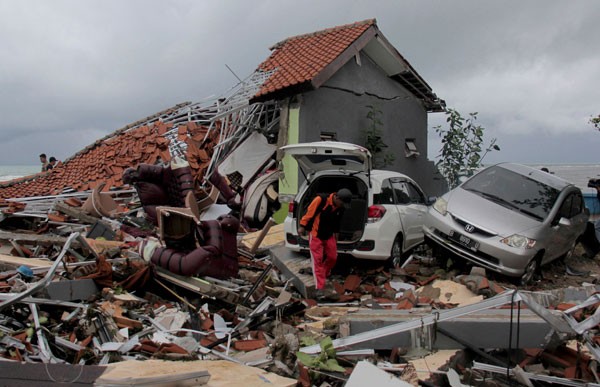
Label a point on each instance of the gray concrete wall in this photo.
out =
(341, 106)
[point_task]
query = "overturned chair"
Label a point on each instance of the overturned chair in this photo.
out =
(192, 247)
(158, 185)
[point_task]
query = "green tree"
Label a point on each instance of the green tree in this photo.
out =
(374, 140)
(596, 122)
(461, 152)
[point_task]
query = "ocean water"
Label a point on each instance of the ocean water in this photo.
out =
(578, 174)
(9, 172)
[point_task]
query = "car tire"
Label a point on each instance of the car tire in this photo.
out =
(530, 271)
(397, 258)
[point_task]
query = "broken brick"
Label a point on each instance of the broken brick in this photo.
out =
(249, 345)
(405, 304)
(483, 284)
(554, 360)
(352, 282)
(564, 306)
(172, 348)
(428, 280)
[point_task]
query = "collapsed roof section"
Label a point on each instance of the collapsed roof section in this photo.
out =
(305, 62)
(202, 133)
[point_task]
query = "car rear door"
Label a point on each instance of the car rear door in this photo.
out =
(411, 207)
(572, 208)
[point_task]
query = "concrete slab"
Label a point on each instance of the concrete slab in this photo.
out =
(48, 374)
(290, 263)
(367, 374)
(483, 329)
(71, 290)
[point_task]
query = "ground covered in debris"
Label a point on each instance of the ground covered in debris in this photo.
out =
(572, 272)
(77, 291)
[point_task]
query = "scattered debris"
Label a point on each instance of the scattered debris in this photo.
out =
(174, 271)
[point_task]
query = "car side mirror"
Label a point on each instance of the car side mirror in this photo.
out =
(431, 200)
(564, 222)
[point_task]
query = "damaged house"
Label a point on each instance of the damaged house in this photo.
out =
(315, 86)
(328, 81)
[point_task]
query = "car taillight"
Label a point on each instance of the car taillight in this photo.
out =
(375, 213)
(291, 239)
(291, 207)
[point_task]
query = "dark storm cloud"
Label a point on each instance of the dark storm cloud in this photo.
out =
(73, 71)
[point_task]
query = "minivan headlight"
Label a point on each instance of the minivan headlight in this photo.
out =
(519, 241)
(441, 206)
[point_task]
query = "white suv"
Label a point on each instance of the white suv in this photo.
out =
(385, 218)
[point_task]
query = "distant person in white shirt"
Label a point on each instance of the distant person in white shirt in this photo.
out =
(44, 162)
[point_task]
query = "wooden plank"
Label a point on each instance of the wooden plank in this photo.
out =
(100, 246)
(200, 286)
(29, 262)
(222, 373)
(261, 235)
(275, 236)
(77, 213)
(45, 240)
(290, 263)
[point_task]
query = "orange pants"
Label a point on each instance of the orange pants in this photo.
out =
(323, 256)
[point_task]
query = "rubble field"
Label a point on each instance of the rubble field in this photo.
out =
(81, 304)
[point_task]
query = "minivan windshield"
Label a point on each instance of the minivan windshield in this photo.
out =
(514, 191)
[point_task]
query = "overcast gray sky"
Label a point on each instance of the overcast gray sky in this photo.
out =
(72, 72)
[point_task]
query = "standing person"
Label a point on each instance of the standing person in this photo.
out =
(44, 162)
(51, 163)
(590, 239)
(323, 219)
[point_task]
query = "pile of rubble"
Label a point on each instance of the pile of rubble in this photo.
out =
(84, 302)
(165, 267)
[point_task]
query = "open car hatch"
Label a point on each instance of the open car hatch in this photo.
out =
(319, 156)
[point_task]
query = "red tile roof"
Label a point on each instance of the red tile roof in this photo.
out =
(298, 60)
(103, 161)
(106, 159)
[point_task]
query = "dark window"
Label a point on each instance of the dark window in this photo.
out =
(386, 196)
(410, 148)
(565, 208)
(340, 160)
(578, 205)
(571, 207)
(401, 192)
(415, 194)
(513, 190)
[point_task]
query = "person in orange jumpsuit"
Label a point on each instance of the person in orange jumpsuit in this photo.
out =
(323, 219)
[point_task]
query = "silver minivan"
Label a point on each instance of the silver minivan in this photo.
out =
(509, 218)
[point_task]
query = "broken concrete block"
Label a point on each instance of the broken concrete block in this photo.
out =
(450, 292)
(367, 374)
(477, 270)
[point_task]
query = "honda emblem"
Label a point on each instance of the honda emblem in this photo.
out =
(469, 228)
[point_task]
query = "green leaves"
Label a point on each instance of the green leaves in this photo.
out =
(596, 122)
(374, 139)
(324, 361)
(461, 146)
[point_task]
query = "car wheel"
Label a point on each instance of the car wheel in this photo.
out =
(396, 255)
(530, 271)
